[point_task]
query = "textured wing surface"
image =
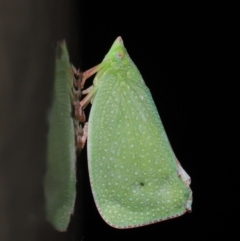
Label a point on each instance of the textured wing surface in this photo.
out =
(133, 170)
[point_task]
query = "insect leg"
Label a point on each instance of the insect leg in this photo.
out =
(80, 135)
(89, 73)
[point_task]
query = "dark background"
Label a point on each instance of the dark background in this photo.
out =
(188, 54)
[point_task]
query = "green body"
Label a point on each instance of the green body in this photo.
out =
(135, 177)
(60, 179)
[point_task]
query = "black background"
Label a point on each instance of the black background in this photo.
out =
(188, 54)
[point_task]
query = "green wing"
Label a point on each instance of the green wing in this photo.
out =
(60, 179)
(135, 177)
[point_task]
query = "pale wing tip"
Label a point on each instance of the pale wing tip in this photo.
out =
(183, 174)
(189, 203)
(187, 180)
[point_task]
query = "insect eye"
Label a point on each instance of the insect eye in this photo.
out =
(119, 55)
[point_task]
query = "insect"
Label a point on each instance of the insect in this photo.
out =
(135, 177)
(60, 178)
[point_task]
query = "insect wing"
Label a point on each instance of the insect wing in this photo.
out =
(133, 170)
